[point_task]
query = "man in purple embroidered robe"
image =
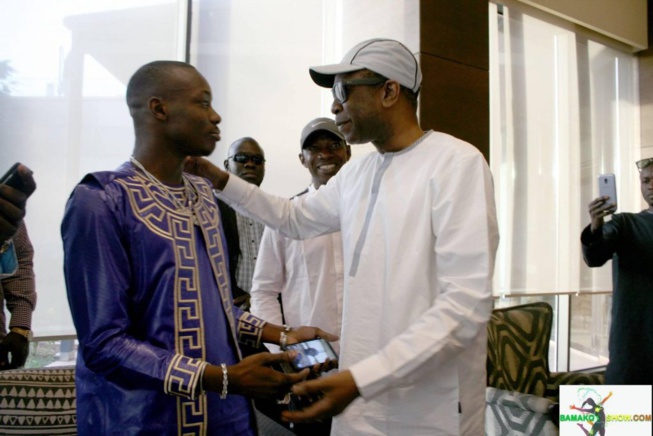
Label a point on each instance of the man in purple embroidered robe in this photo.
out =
(148, 281)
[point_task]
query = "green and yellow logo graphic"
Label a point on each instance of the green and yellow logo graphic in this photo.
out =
(605, 410)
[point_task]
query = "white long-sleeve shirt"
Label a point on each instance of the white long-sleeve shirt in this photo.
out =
(419, 241)
(308, 274)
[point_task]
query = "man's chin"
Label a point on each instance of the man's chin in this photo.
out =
(207, 152)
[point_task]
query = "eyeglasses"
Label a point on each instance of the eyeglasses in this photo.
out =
(641, 164)
(243, 158)
(339, 89)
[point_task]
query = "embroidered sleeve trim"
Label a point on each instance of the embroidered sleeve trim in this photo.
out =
(250, 329)
(184, 377)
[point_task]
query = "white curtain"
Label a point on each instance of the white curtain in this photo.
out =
(564, 108)
(63, 111)
(64, 66)
(256, 55)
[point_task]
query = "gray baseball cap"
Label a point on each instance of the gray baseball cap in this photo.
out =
(319, 124)
(386, 57)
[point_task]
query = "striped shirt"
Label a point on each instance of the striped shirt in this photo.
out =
(249, 235)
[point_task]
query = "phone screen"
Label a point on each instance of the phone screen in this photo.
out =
(608, 187)
(311, 352)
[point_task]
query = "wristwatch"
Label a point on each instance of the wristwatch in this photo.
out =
(27, 334)
(5, 246)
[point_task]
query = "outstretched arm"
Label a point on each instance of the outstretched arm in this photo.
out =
(299, 218)
(606, 398)
(205, 168)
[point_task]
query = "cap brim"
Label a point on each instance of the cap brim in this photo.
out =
(324, 75)
(335, 133)
(324, 125)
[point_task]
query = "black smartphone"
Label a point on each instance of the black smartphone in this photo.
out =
(13, 178)
(311, 352)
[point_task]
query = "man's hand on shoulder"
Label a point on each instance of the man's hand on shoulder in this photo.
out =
(204, 168)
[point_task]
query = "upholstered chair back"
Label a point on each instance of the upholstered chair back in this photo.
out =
(518, 348)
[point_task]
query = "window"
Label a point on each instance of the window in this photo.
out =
(64, 66)
(564, 110)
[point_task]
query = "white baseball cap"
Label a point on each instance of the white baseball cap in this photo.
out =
(386, 57)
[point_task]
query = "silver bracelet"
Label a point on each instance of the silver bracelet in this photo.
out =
(5, 246)
(225, 381)
(283, 339)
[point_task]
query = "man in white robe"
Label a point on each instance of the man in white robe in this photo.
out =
(419, 231)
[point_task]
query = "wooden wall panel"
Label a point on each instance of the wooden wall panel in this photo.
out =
(454, 55)
(646, 90)
(455, 100)
(623, 20)
(456, 30)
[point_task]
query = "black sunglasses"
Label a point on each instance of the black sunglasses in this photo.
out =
(339, 89)
(641, 164)
(243, 158)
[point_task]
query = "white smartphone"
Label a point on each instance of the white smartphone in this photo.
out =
(608, 188)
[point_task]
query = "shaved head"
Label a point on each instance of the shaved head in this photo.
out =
(249, 171)
(236, 145)
(154, 79)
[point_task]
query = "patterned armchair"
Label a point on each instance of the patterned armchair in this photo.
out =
(521, 389)
(38, 401)
(43, 402)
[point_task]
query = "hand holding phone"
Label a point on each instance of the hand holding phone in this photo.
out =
(12, 201)
(310, 353)
(605, 204)
(608, 188)
(18, 181)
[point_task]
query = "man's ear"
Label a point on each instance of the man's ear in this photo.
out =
(348, 148)
(226, 165)
(391, 93)
(158, 108)
(302, 160)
